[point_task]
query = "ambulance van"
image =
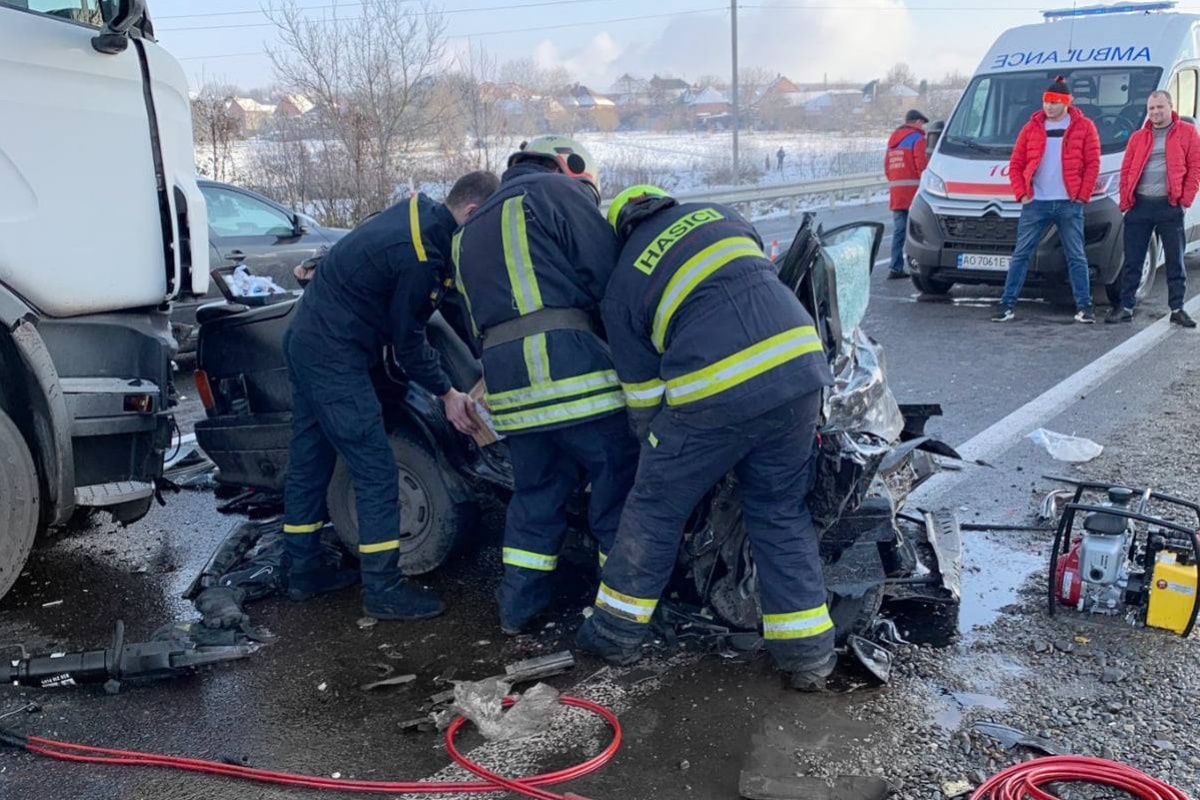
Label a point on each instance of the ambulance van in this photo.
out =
(962, 226)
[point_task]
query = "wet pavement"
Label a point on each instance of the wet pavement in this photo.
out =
(689, 721)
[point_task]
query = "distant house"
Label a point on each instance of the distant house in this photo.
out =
(294, 105)
(830, 99)
(902, 92)
(580, 96)
(708, 102)
(251, 115)
(670, 88)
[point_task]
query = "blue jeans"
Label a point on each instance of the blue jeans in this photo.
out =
(1036, 216)
(899, 228)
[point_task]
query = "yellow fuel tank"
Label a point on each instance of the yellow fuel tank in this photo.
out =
(1172, 592)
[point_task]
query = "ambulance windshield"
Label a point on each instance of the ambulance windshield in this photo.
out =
(994, 107)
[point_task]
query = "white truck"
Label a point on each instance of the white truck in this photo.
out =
(102, 226)
(962, 227)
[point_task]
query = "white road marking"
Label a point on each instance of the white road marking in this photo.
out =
(1000, 436)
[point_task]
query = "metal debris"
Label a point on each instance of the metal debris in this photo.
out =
(1010, 737)
(398, 680)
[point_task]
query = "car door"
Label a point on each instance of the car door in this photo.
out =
(248, 229)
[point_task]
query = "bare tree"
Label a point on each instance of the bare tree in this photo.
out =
(900, 74)
(372, 78)
(215, 128)
(481, 103)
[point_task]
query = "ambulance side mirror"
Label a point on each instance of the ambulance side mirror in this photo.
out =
(933, 132)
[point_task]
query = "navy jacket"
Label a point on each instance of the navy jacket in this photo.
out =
(698, 319)
(539, 242)
(380, 283)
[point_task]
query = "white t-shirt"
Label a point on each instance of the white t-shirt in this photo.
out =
(1048, 179)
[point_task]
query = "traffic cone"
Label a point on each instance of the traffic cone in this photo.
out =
(774, 249)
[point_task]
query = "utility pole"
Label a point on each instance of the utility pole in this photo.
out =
(733, 14)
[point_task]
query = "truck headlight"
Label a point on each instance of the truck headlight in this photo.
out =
(932, 183)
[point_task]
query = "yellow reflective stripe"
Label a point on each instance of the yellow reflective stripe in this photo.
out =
(798, 624)
(603, 558)
(644, 395)
(414, 225)
(743, 365)
(652, 439)
(561, 412)
(379, 547)
(516, 256)
(529, 559)
(625, 606)
(552, 390)
(312, 527)
(693, 271)
(455, 251)
(537, 360)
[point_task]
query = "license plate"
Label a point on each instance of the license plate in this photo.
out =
(984, 262)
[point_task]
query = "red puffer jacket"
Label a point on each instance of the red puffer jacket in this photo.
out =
(1183, 163)
(1080, 155)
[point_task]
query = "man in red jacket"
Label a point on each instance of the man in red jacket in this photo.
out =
(1053, 172)
(903, 164)
(1159, 178)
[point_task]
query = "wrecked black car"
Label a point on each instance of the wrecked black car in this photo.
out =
(873, 451)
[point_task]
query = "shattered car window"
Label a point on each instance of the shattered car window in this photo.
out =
(849, 251)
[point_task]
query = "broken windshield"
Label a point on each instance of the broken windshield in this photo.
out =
(994, 107)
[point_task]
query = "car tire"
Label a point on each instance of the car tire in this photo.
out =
(432, 524)
(855, 615)
(19, 503)
(933, 286)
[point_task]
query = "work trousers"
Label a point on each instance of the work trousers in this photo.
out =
(899, 231)
(339, 414)
(548, 467)
(772, 456)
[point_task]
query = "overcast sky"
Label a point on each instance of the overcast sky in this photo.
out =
(598, 40)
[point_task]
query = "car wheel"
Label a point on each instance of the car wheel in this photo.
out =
(928, 285)
(855, 614)
(432, 524)
(19, 499)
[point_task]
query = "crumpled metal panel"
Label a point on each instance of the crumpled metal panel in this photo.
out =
(860, 400)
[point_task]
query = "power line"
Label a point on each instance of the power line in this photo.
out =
(511, 30)
(474, 10)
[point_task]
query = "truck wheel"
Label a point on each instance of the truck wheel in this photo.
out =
(432, 524)
(19, 499)
(931, 285)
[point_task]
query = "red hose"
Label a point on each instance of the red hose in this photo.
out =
(1027, 780)
(529, 786)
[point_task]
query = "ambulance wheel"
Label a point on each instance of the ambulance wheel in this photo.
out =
(19, 501)
(432, 524)
(927, 285)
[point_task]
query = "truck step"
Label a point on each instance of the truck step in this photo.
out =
(111, 494)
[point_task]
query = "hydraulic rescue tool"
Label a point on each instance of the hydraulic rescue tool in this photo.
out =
(1134, 555)
(118, 663)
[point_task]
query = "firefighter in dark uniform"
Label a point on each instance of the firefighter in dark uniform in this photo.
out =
(723, 370)
(532, 264)
(379, 283)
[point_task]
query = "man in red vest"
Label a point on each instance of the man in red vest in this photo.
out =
(903, 164)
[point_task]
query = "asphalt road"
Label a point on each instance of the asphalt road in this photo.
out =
(297, 704)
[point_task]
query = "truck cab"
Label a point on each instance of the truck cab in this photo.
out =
(102, 226)
(962, 226)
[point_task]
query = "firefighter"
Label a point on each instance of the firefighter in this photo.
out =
(723, 370)
(379, 283)
(532, 264)
(903, 164)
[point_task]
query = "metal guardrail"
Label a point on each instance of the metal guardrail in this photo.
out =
(836, 186)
